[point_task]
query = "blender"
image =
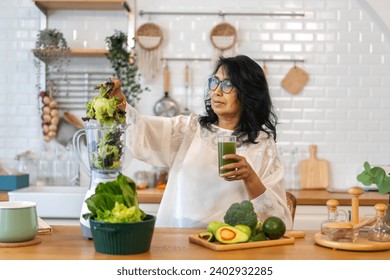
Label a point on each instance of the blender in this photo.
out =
(105, 149)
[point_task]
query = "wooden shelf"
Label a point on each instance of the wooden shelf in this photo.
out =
(88, 53)
(46, 5)
(81, 52)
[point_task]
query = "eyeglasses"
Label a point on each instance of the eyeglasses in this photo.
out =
(226, 85)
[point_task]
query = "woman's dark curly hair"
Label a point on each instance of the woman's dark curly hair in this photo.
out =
(252, 91)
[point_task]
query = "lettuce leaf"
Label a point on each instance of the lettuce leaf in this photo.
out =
(115, 202)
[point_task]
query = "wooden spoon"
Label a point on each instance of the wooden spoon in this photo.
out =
(72, 119)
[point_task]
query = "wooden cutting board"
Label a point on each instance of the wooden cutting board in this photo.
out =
(314, 172)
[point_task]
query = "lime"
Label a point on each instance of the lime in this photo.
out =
(274, 227)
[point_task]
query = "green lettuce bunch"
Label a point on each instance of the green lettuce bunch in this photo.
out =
(115, 202)
(104, 108)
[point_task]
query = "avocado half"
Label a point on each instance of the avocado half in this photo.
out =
(230, 235)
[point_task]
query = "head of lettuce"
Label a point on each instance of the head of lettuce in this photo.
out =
(115, 202)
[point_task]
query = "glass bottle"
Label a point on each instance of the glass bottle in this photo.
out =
(380, 231)
(333, 214)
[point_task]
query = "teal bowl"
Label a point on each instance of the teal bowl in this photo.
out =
(18, 221)
(123, 238)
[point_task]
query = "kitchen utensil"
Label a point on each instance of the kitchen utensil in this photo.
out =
(314, 172)
(18, 221)
(103, 167)
(355, 192)
(72, 119)
(166, 106)
(341, 232)
(216, 246)
(361, 244)
(380, 231)
(187, 85)
(295, 80)
(65, 131)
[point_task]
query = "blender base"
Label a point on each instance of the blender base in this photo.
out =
(86, 231)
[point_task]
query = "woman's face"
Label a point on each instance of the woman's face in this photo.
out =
(224, 105)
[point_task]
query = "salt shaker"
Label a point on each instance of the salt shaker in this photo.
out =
(380, 231)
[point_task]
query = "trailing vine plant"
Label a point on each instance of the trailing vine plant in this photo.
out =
(124, 64)
(51, 49)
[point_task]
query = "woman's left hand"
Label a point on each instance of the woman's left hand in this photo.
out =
(240, 170)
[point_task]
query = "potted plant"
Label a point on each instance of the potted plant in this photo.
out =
(376, 175)
(51, 48)
(124, 64)
(118, 225)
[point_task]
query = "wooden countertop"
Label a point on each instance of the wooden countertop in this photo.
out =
(304, 197)
(67, 243)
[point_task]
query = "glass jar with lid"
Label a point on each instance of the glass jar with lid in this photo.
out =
(380, 231)
(334, 215)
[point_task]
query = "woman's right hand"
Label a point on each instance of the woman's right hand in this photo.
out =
(116, 92)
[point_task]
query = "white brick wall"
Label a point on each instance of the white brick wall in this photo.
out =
(344, 108)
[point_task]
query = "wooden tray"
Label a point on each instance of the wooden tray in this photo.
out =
(361, 244)
(217, 246)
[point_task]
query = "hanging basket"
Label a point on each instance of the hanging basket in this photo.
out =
(149, 36)
(223, 36)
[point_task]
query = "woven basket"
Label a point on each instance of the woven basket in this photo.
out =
(149, 36)
(223, 36)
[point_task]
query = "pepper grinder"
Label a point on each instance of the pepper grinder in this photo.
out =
(380, 231)
(355, 192)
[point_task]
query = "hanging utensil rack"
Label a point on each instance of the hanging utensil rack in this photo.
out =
(256, 59)
(221, 13)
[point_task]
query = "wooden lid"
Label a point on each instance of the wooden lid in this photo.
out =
(340, 225)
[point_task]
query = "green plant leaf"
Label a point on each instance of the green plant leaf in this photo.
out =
(365, 179)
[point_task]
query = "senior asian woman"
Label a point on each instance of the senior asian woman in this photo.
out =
(237, 102)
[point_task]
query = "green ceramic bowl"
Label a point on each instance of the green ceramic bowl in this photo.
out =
(18, 221)
(123, 238)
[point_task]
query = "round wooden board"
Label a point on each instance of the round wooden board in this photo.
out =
(361, 244)
(31, 242)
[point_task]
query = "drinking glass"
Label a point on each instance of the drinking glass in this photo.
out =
(226, 145)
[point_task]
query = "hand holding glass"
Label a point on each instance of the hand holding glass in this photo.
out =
(226, 145)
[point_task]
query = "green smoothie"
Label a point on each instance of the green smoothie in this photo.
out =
(225, 148)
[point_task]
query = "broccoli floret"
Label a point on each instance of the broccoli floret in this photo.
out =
(242, 213)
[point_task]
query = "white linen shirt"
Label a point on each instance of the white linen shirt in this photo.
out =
(195, 193)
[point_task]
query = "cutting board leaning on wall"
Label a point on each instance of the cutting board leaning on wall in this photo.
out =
(314, 172)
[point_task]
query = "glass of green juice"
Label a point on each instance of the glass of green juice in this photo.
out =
(226, 145)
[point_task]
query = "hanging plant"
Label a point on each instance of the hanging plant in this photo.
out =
(51, 49)
(124, 64)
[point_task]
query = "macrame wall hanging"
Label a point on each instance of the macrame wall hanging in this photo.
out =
(149, 37)
(223, 37)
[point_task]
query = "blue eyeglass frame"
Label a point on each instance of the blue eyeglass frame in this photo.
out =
(223, 84)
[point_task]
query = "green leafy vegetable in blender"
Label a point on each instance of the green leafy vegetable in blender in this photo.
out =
(103, 108)
(115, 202)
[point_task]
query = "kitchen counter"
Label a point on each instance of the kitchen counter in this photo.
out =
(67, 243)
(304, 197)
